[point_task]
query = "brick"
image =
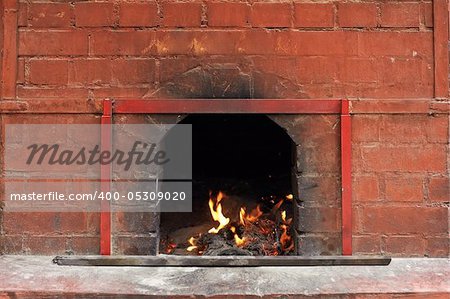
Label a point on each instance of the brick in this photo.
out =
(135, 245)
(404, 245)
(85, 245)
(228, 14)
(94, 14)
(285, 67)
(318, 43)
(93, 218)
(251, 41)
(396, 70)
(317, 69)
(11, 244)
(404, 128)
(426, 14)
(312, 161)
(39, 92)
(357, 14)
(182, 14)
(22, 16)
(366, 188)
(406, 90)
(404, 189)
(437, 246)
(439, 189)
(417, 158)
(410, 44)
(119, 92)
(90, 71)
(45, 245)
(367, 244)
(49, 15)
(314, 15)
(271, 86)
(366, 128)
(36, 222)
(53, 43)
(320, 244)
(178, 42)
(20, 71)
(135, 71)
(136, 222)
(135, 43)
(400, 14)
(437, 129)
(219, 42)
(318, 219)
(358, 70)
(404, 220)
(262, 14)
(138, 14)
(320, 190)
(73, 222)
(172, 67)
(315, 130)
(49, 72)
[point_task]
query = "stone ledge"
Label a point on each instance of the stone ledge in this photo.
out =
(29, 276)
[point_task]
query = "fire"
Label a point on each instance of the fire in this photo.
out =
(217, 214)
(239, 242)
(192, 242)
(266, 227)
(252, 217)
(286, 240)
(283, 216)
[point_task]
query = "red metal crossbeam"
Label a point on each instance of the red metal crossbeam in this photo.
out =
(262, 106)
(266, 106)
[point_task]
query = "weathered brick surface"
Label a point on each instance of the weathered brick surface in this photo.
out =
(138, 14)
(400, 14)
(182, 14)
(314, 15)
(49, 15)
(70, 53)
(401, 184)
(94, 14)
(263, 15)
(357, 14)
(228, 14)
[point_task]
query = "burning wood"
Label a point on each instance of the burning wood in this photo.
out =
(261, 231)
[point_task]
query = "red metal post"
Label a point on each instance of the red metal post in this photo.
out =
(105, 183)
(346, 174)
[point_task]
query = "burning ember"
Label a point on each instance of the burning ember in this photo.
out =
(261, 230)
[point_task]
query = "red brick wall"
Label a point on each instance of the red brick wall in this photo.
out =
(401, 188)
(321, 50)
(385, 56)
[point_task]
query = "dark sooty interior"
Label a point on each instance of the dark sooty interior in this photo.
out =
(247, 157)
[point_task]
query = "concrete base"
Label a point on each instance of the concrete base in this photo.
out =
(31, 276)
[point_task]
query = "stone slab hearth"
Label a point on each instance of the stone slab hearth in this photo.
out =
(403, 278)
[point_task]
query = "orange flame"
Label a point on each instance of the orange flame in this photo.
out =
(239, 242)
(249, 222)
(217, 214)
(191, 241)
(252, 217)
(286, 240)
